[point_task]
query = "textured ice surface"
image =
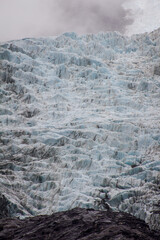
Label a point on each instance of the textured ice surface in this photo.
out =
(80, 124)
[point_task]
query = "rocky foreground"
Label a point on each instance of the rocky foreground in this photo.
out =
(77, 224)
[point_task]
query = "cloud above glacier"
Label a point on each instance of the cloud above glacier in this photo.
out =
(146, 16)
(34, 18)
(93, 16)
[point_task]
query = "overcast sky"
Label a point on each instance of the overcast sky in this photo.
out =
(34, 18)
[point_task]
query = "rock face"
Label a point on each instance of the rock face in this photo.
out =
(77, 224)
(80, 127)
(157, 70)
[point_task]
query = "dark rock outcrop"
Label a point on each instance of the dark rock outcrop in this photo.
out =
(157, 70)
(3, 206)
(77, 224)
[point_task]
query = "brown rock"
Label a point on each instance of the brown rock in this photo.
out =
(77, 224)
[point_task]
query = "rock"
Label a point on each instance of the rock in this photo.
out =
(3, 207)
(157, 70)
(81, 224)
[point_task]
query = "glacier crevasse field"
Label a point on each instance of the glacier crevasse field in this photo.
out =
(80, 124)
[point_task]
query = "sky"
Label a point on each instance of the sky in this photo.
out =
(40, 18)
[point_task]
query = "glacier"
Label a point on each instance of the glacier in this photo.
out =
(80, 124)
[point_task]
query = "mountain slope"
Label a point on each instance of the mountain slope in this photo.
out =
(80, 122)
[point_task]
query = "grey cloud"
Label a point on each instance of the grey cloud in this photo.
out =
(34, 18)
(94, 16)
